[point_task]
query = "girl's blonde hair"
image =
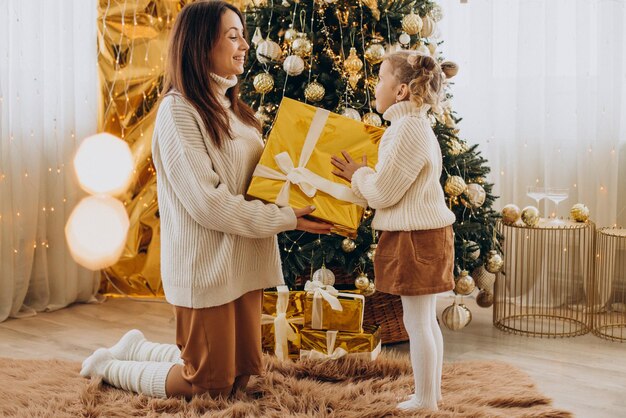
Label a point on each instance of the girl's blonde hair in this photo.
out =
(421, 73)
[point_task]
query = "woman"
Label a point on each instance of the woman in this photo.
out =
(218, 250)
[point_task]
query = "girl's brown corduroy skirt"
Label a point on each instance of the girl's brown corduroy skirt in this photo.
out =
(218, 344)
(412, 263)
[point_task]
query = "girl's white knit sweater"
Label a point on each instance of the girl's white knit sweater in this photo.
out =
(404, 188)
(215, 244)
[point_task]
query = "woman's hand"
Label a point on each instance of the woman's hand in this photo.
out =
(308, 225)
(347, 166)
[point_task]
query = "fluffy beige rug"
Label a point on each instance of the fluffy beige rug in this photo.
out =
(53, 388)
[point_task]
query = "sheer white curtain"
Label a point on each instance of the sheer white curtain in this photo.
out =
(48, 103)
(542, 89)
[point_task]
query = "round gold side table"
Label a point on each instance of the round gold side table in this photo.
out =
(607, 302)
(543, 287)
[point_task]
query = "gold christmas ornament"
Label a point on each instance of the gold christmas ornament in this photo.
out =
(475, 196)
(454, 317)
(372, 119)
(404, 38)
(436, 13)
(457, 147)
(412, 23)
(428, 26)
(325, 276)
(314, 92)
(351, 113)
(371, 289)
(579, 212)
(455, 186)
(354, 80)
(464, 284)
(450, 69)
(484, 280)
(469, 313)
(530, 216)
(290, 34)
(353, 63)
(484, 299)
(293, 65)
(371, 253)
(301, 46)
(494, 262)
(263, 83)
(375, 52)
(362, 282)
(511, 214)
(472, 249)
(348, 245)
(367, 213)
(267, 51)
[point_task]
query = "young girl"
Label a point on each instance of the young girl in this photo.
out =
(218, 249)
(415, 254)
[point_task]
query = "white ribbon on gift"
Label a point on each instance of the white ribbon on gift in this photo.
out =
(308, 181)
(321, 292)
(332, 353)
(282, 331)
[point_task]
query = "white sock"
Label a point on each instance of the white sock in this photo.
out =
(419, 312)
(134, 346)
(147, 377)
(439, 346)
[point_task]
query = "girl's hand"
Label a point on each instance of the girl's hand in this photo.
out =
(347, 167)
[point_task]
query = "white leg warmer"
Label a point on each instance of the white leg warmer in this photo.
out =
(134, 346)
(147, 377)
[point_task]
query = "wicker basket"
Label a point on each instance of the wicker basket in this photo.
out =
(380, 309)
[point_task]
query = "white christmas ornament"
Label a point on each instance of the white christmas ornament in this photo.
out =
(267, 51)
(293, 65)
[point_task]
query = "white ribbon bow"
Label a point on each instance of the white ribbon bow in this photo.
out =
(332, 353)
(282, 331)
(320, 293)
(308, 181)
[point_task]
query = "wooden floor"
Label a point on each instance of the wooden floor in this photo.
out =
(586, 375)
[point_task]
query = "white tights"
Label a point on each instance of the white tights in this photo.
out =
(426, 346)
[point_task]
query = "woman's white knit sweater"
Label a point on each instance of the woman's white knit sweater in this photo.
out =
(215, 245)
(404, 188)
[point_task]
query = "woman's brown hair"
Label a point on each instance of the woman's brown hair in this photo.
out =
(421, 73)
(188, 67)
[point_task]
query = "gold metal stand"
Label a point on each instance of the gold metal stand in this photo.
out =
(607, 302)
(542, 289)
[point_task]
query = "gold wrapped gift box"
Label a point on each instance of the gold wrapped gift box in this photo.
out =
(295, 168)
(324, 317)
(268, 340)
(285, 310)
(317, 344)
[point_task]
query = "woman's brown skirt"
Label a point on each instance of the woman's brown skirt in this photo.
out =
(220, 343)
(411, 263)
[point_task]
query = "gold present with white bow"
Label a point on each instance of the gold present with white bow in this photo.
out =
(325, 308)
(281, 322)
(295, 168)
(332, 345)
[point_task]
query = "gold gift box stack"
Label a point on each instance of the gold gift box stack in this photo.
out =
(340, 334)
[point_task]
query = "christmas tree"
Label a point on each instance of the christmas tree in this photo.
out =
(327, 53)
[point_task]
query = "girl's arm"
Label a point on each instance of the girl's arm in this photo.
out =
(401, 167)
(197, 186)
